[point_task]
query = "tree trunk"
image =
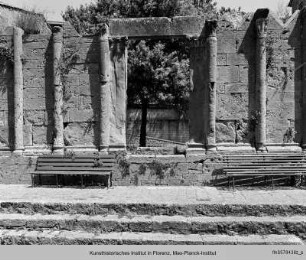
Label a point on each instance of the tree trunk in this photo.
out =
(143, 128)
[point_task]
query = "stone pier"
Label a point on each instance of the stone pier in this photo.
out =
(58, 131)
(211, 27)
(105, 92)
(261, 84)
(18, 91)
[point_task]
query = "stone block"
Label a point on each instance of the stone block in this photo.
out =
(32, 81)
(84, 90)
(222, 59)
(33, 54)
(36, 45)
(150, 27)
(243, 74)
(80, 115)
(227, 42)
(221, 88)
(4, 105)
(79, 134)
(33, 64)
(236, 59)
(39, 135)
(85, 102)
(71, 79)
(33, 93)
(225, 132)
(36, 117)
(34, 104)
(228, 74)
(4, 134)
(236, 88)
(27, 135)
(234, 106)
(85, 79)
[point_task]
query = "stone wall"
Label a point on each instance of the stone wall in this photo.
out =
(236, 105)
(232, 119)
(165, 124)
(6, 88)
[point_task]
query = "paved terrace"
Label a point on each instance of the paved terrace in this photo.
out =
(154, 195)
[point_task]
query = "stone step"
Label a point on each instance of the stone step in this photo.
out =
(47, 237)
(199, 209)
(295, 225)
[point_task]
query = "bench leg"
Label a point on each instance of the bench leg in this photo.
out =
(56, 177)
(108, 182)
(233, 181)
(33, 182)
(39, 180)
(82, 181)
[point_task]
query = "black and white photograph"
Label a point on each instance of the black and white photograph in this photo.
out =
(152, 129)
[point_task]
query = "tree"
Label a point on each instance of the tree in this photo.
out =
(283, 11)
(158, 70)
(156, 77)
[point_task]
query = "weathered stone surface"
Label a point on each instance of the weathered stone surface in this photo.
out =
(225, 132)
(79, 134)
(234, 106)
(39, 135)
(228, 74)
(35, 117)
(153, 27)
(28, 135)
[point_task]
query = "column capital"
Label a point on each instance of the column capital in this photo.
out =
(261, 27)
(104, 30)
(211, 28)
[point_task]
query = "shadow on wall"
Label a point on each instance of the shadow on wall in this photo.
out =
(295, 42)
(49, 92)
(94, 83)
(248, 47)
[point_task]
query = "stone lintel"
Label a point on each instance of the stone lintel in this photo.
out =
(157, 27)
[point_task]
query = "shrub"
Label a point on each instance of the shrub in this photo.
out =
(30, 22)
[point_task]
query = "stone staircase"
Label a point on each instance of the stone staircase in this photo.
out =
(76, 223)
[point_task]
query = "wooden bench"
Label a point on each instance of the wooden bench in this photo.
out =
(75, 165)
(266, 165)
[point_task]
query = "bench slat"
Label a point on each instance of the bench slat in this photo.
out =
(79, 156)
(71, 173)
(258, 174)
(265, 168)
(51, 168)
(74, 159)
(72, 164)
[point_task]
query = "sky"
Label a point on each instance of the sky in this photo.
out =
(53, 8)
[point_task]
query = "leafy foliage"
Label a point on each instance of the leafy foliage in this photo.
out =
(87, 15)
(30, 22)
(158, 72)
(157, 75)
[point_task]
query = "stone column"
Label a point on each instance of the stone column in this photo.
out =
(261, 85)
(211, 32)
(18, 91)
(303, 78)
(105, 91)
(58, 134)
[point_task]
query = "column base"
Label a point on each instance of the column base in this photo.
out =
(18, 151)
(262, 148)
(195, 148)
(58, 150)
